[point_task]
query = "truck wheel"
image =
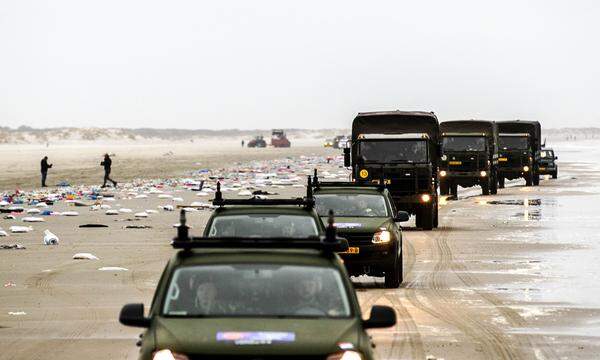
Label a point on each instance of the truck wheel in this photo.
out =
(528, 179)
(485, 186)
(555, 174)
(436, 215)
(425, 217)
(494, 184)
(444, 189)
(454, 189)
(393, 277)
(536, 179)
(501, 182)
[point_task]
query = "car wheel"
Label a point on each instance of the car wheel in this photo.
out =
(555, 174)
(501, 182)
(393, 277)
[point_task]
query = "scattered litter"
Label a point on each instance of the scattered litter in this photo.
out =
(141, 196)
(33, 219)
(50, 238)
(112, 212)
(152, 211)
(20, 229)
(125, 210)
(3, 233)
(112, 268)
(167, 207)
(93, 226)
(138, 227)
(69, 213)
(165, 196)
(84, 256)
(41, 205)
(177, 199)
(17, 313)
(12, 247)
(9, 217)
(141, 214)
(9, 284)
(33, 211)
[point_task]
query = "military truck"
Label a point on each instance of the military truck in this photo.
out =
(402, 150)
(469, 156)
(519, 151)
(279, 139)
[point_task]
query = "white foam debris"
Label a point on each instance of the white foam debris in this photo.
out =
(69, 213)
(178, 199)
(125, 210)
(41, 205)
(3, 233)
(17, 313)
(50, 238)
(33, 211)
(151, 211)
(105, 206)
(33, 219)
(142, 214)
(112, 212)
(85, 256)
(20, 229)
(141, 196)
(165, 196)
(166, 207)
(4, 203)
(112, 268)
(202, 193)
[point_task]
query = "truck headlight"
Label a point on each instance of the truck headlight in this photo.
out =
(346, 355)
(525, 168)
(443, 173)
(425, 197)
(382, 236)
(483, 173)
(168, 355)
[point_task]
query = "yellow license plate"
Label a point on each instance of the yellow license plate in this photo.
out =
(352, 250)
(542, 169)
(454, 162)
(502, 159)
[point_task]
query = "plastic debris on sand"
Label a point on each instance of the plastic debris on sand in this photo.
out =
(85, 256)
(50, 238)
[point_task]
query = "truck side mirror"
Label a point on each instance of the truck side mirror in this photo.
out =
(381, 317)
(402, 216)
(347, 157)
(133, 315)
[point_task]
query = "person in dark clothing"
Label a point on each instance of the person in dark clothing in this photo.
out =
(107, 163)
(44, 167)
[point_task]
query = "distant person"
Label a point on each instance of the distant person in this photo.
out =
(44, 168)
(107, 163)
(243, 143)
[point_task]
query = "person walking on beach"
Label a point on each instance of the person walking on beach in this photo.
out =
(44, 168)
(107, 163)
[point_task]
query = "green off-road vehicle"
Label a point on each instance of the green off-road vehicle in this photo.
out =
(547, 163)
(255, 298)
(367, 218)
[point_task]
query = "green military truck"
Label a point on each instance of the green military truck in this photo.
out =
(469, 156)
(519, 151)
(402, 150)
(255, 298)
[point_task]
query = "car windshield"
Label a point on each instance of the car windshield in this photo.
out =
(514, 142)
(263, 225)
(393, 151)
(463, 143)
(353, 205)
(264, 290)
(546, 154)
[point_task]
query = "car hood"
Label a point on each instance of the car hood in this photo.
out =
(300, 336)
(350, 225)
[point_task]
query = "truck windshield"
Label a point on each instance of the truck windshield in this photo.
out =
(265, 290)
(354, 205)
(463, 143)
(263, 225)
(393, 151)
(514, 142)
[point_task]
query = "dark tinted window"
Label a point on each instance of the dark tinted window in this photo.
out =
(263, 225)
(393, 151)
(514, 142)
(368, 205)
(463, 143)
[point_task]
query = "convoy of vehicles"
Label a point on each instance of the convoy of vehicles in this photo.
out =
(469, 156)
(269, 280)
(402, 150)
(279, 139)
(519, 151)
(366, 217)
(257, 142)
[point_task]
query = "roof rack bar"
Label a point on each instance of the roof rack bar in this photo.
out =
(256, 201)
(339, 244)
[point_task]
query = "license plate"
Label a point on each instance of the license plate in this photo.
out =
(502, 159)
(454, 162)
(352, 250)
(542, 168)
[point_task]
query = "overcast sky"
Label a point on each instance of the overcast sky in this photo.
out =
(313, 64)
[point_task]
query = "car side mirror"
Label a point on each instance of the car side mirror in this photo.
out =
(133, 315)
(346, 157)
(402, 216)
(381, 317)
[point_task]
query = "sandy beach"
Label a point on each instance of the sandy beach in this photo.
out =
(510, 280)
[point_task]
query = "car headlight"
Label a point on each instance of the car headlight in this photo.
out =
(443, 173)
(483, 173)
(444, 158)
(425, 198)
(382, 236)
(525, 168)
(168, 355)
(346, 355)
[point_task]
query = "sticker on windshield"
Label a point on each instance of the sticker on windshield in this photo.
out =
(256, 337)
(347, 225)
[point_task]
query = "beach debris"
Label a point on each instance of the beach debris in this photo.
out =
(165, 196)
(125, 210)
(150, 211)
(141, 196)
(166, 207)
(177, 199)
(9, 284)
(93, 226)
(20, 229)
(112, 212)
(142, 214)
(112, 268)
(85, 256)
(41, 205)
(50, 238)
(17, 313)
(69, 213)
(33, 219)
(33, 211)
(9, 217)
(137, 227)
(3, 233)
(12, 247)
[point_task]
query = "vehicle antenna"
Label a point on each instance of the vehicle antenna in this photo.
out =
(218, 194)
(330, 232)
(182, 229)
(309, 190)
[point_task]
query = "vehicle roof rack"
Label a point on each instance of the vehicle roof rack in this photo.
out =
(316, 183)
(307, 201)
(329, 243)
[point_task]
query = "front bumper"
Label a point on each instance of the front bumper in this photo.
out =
(374, 258)
(547, 169)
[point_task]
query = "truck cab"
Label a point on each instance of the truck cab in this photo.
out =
(469, 156)
(401, 150)
(519, 151)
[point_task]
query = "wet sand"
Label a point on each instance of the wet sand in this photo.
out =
(494, 281)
